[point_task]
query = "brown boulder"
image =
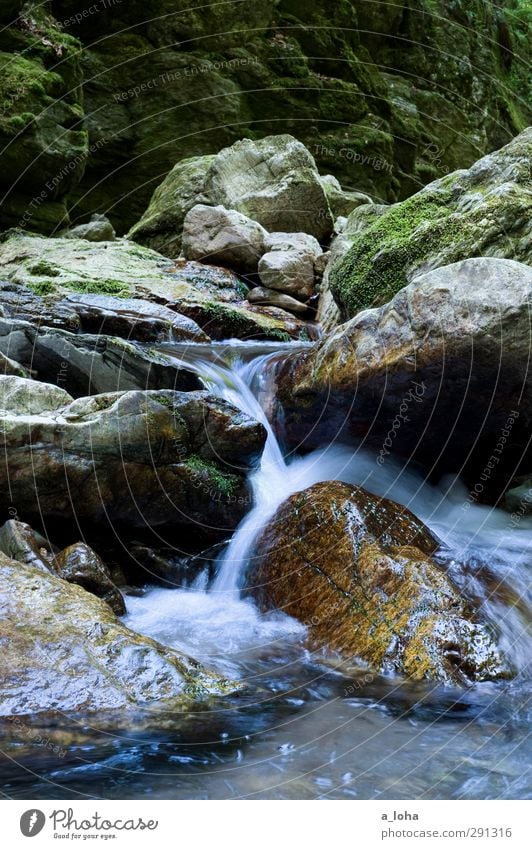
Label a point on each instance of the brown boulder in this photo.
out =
(359, 571)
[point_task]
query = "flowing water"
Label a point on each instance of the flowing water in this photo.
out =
(307, 725)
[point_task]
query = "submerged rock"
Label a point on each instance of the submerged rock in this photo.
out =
(63, 649)
(439, 376)
(133, 459)
(484, 211)
(220, 236)
(359, 572)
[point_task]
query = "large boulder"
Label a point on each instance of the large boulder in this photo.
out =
(144, 460)
(63, 650)
(42, 274)
(484, 211)
(133, 318)
(220, 236)
(273, 181)
(359, 571)
(439, 376)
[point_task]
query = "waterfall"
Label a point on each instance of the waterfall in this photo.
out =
(482, 549)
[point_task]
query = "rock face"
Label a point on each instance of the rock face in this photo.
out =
(131, 460)
(220, 236)
(42, 274)
(63, 649)
(359, 572)
(484, 211)
(388, 97)
(451, 347)
(43, 143)
(273, 181)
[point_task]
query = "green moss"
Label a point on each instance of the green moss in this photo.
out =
(42, 287)
(375, 267)
(43, 268)
(99, 287)
(224, 483)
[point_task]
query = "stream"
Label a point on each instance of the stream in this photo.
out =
(308, 725)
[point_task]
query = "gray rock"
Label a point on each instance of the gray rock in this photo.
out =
(300, 242)
(63, 650)
(220, 236)
(291, 272)
(79, 564)
(290, 263)
(21, 396)
(211, 296)
(20, 542)
(483, 211)
(260, 295)
(342, 203)
(273, 181)
(453, 346)
(98, 229)
(127, 459)
(133, 319)
(85, 364)
(19, 301)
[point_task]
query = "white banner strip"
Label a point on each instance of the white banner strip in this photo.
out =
(308, 824)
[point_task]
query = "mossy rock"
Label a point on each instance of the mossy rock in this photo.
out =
(484, 211)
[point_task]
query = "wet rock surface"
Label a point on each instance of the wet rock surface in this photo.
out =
(79, 564)
(63, 649)
(133, 459)
(359, 572)
(452, 346)
(88, 364)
